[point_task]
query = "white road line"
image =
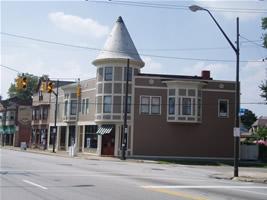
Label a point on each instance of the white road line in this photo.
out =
(31, 183)
(202, 187)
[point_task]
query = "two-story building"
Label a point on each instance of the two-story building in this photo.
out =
(41, 113)
(15, 121)
(168, 115)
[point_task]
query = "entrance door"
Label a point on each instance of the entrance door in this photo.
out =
(108, 143)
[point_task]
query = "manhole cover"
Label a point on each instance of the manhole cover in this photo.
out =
(65, 164)
(158, 169)
(83, 186)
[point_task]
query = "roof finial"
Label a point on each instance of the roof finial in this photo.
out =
(120, 19)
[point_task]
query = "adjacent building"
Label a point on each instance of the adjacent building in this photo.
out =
(168, 116)
(15, 121)
(41, 112)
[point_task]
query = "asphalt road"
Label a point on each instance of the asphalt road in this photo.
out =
(28, 176)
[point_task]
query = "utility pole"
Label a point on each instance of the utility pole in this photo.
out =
(55, 122)
(237, 103)
(125, 127)
(236, 130)
(78, 94)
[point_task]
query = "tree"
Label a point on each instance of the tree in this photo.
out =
(264, 27)
(263, 88)
(263, 85)
(248, 118)
(24, 94)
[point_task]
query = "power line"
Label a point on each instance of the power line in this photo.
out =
(10, 68)
(251, 41)
(132, 53)
(178, 7)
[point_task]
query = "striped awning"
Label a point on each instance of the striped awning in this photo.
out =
(7, 129)
(104, 129)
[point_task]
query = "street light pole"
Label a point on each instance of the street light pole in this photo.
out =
(236, 130)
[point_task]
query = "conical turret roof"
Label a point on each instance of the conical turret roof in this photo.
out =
(119, 46)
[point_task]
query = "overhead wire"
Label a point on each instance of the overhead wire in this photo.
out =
(179, 7)
(131, 53)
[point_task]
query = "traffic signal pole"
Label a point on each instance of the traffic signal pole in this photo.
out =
(55, 122)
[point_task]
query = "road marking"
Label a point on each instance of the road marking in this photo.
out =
(202, 187)
(31, 183)
(178, 194)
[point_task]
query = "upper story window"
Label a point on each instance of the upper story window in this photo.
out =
(171, 109)
(187, 106)
(108, 73)
(45, 113)
(150, 105)
(155, 105)
(85, 106)
(223, 108)
(73, 106)
(65, 108)
(184, 104)
(107, 104)
(145, 104)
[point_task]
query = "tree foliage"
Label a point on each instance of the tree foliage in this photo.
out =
(263, 86)
(261, 133)
(248, 118)
(24, 94)
(264, 27)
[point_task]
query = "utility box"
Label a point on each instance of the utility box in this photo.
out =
(23, 146)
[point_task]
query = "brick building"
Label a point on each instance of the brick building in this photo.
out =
(168, 116)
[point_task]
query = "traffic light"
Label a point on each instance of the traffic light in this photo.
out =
(43, 86)
(24, 82)
(78, 90)
(18, 83)
(50, 87)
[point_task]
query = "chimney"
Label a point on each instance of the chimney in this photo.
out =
(205, 74)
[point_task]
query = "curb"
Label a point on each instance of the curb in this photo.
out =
(79, 156)
(240, 178)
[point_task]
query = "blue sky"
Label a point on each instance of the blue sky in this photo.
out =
(177, 33)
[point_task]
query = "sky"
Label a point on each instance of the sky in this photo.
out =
(170, 41)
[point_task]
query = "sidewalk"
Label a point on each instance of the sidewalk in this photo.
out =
(86, 156)
(244, 175)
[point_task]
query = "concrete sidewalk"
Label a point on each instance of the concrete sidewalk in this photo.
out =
(259, 176)
(246, 176)
(86, 156)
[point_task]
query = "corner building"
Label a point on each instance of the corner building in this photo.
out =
(169, 116)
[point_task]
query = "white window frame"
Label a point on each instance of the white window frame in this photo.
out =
(75, 108)
(156, 105)
(227, 113)
(110, 104)
(149, 105)
(87, 105)
(168, 106)
(140, 110)
(105, 75)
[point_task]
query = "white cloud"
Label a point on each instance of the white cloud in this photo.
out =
(78, 25)
(228, 9)
(151, 66)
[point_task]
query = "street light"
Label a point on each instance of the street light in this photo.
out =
(195, 8)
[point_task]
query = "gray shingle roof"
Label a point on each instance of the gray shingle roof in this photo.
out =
(119, 45)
